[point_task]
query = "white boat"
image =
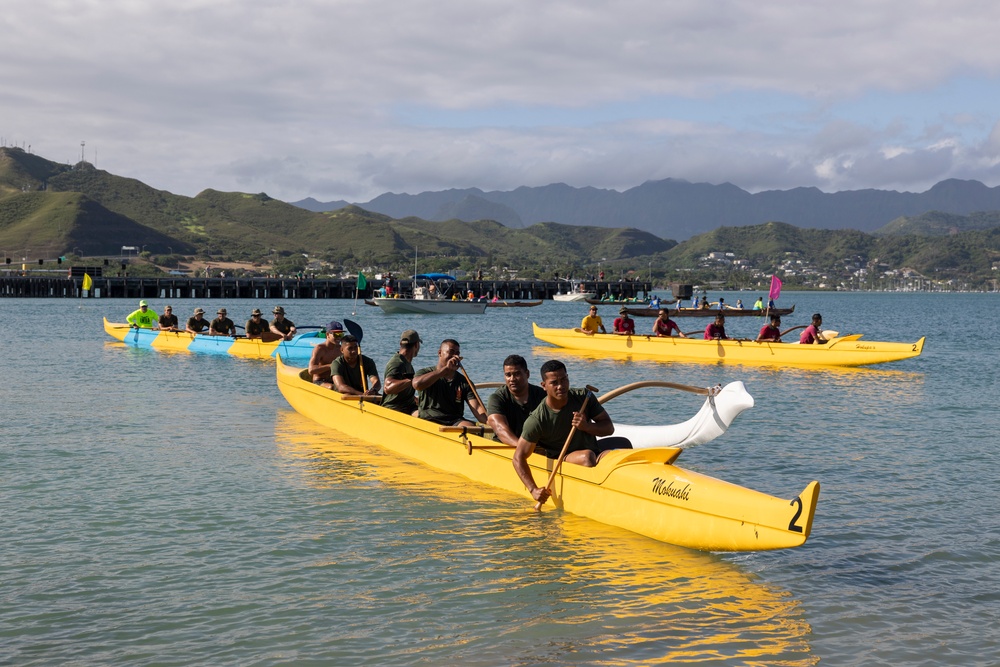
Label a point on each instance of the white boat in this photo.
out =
(576, 293)
(574, 296)
(427, 306)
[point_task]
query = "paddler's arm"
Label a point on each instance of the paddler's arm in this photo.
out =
(601, 426)
(421, 382)
(501, 429)
(520, 461)
(477, 409)
(339, 384)
(394, 385)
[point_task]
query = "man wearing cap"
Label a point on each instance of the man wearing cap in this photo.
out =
(353, 373)
(444, 391)
(144, 318)
(624, 325)
(256, 326)
(197, 323)
(324, 354)
(168, 321)
(281, 326)
(222, 325)
(398, 386)
(593, 322)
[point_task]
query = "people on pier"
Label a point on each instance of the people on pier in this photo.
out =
(664, 326)
(509, 406)
(444, 392)
(397, 390)
(168, 321)
(197, 322)
(624, 325)
(352, 372)
(222, 325)
(549, 426)
(324, 354)
(143, 318)
(771, 331)
(282, 326)
(593, 322)
(813, 334)
(716, 330)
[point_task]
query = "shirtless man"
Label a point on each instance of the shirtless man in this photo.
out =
(324, 354)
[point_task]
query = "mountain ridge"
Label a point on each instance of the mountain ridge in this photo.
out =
(677, 209)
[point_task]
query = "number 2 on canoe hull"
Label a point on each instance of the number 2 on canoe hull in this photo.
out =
(797, 503)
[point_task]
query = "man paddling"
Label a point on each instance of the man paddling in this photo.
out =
(398, 393)
(222, 325)
(282, 326)
(143, 318)
(353, 373)
(550, 424)
(197, 322)
(509, 406)
(168, 321)
(624, 325)
(256, 326)
(324, 354)
(717, 329)
(444, 392)
(593, 322)
(771, 332)
(664, 326)
(813, 335)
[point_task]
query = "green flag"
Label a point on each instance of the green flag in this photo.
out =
(362, 283)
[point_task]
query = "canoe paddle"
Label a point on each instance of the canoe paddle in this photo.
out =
(358, 333)
(472, 385)
(565, 449)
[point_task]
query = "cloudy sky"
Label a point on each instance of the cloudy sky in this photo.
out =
(347, 99)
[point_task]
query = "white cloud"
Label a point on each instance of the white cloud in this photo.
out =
(315, 98)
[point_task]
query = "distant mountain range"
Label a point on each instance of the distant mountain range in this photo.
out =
(676, 209)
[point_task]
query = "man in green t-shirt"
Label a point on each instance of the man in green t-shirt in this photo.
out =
(444, 392)
(256, 325)
(398, 387)
(347, 370)
(144, 318)
(548, 426)
(509, 406)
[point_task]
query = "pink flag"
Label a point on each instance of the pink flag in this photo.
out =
(775, 288)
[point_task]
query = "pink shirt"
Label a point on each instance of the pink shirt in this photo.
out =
(767, 332)
(664, 328)
(713, 331)
(808, 336)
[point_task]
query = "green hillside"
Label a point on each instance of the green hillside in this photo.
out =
(60, 209)
(936, 223)
(49, 209)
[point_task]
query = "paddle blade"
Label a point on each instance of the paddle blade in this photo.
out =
(355, 329)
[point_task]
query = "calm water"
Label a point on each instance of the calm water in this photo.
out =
(170, 509)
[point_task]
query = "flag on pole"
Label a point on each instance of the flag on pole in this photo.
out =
(775, 288)
(88, 282)
(362, 282)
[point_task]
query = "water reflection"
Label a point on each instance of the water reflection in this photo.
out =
(501, 584)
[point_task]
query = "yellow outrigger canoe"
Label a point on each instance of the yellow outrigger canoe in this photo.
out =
(637, 489)
(840, 351)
